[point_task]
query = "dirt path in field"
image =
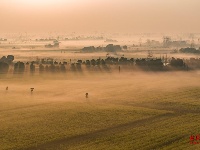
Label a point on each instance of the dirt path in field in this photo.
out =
(177, 110)
(25, 107)
(100, 133)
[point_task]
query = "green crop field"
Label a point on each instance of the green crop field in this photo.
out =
(136, 111)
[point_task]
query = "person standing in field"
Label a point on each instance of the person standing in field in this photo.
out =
(86, 95)
(119, 69)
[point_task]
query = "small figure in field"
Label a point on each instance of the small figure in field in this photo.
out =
(32, 90)
(86, 95)
(7, 88)
(119, 69)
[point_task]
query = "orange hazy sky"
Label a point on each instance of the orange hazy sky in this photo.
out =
(100, 15)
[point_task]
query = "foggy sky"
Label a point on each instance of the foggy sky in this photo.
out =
(100, 15)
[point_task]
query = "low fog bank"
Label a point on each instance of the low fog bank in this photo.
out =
(48, 87)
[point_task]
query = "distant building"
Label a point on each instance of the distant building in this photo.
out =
(56, 44)
(167, 42)
(152, 43)
(3, 40)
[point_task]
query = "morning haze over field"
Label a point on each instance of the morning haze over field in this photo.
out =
(99, 74)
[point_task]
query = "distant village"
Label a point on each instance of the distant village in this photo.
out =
(78, 38)
(3, 40)
(112, 43)
(149, 63)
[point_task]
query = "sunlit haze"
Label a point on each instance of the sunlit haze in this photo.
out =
(100, 15)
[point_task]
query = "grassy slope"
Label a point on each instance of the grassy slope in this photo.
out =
(123, 112)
